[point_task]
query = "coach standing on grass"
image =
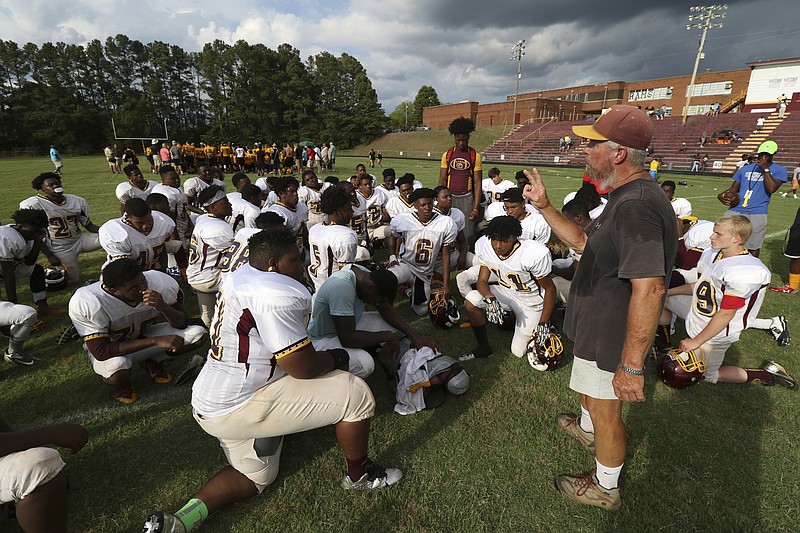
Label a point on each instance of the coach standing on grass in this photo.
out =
(617, 293)
(755, 184)
(462, 172)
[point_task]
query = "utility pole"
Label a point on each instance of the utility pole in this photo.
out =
(705, 15)
(518, 51)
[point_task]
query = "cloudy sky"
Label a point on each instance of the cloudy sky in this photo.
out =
(461, 48)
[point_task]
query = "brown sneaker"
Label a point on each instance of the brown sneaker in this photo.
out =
(125, 394)
(572, 425)
(586, 490)
(157, 372)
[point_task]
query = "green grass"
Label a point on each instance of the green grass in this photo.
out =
(710, 458)
(419, 143)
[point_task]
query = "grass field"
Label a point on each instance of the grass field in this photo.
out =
(711, 458)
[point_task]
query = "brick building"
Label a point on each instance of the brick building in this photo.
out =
(582, 101)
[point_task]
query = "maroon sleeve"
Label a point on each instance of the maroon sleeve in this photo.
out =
(102, 348)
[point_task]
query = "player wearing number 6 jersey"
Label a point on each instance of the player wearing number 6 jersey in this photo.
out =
(523, 286)
(65, 214)
(724, 301)
(211, 237)
(415, 242)
(264, 379)
(333, 244)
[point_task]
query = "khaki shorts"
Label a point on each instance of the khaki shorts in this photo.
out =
(23, 472)
(587, 379)
(284, 407)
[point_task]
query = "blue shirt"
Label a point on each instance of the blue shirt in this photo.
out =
(336, 297)
(54, 155)
(751, 178)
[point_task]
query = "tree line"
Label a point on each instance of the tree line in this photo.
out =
(68, 94)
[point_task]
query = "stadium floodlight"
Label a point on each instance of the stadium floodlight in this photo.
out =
(705, 16)
(518, 51)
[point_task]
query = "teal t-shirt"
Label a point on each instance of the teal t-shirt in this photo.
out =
(336, 297)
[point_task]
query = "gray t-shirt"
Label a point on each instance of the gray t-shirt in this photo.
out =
(635, 237)
(336, 297)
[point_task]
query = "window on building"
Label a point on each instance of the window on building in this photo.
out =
(710, 89)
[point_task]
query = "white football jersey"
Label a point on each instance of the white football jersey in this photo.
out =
(332, 246)
(243, 215)
(390, 193)
(359, 220)
(375, 206)
(698, 236)
(211, 237)
(742, 276)
(13, 246)
(312, 198)
(519, 270)
(398, 205)
(97, 313)
(457, 216)
(423, 242)
(535, 228)
(64, 219)
(493, 210)
(120, 239)
(260, 317)
(235, 195)
(295, 217)
(682, 207)
(178, 204)
(237, 253)
(493, 192)
(127, 190)
(193, 186)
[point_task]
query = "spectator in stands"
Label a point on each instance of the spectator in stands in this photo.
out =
(654, 164)
(682, 148)
(782, 103)
(695, 163)
(704, 163)
(758, 182)
(704, 138)
(760, 123)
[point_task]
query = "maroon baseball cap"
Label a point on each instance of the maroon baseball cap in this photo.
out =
(623, 124)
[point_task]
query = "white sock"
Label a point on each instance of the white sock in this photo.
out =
(586, 421)
(608, 477)
(761, 323)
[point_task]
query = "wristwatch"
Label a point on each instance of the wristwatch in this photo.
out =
(633, 371)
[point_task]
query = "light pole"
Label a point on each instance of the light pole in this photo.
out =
(406, 116)
(518, 51)
(705, 16)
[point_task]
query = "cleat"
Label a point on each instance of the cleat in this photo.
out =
(68, 334)
(125, 394)
(191, 371)
(375, 477)
(573, 427)
(157, 372)
(785, 289)
(469, 356)
(20, 358)
(780, 374)
(779, 330)
(586, 490)
(161, 522)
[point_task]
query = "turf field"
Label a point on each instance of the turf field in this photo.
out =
(709, 458)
